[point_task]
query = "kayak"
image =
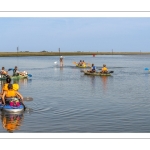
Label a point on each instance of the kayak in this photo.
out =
(13, 77)
(81, 66)
(84, 66)
(97, 73)
(12, 109)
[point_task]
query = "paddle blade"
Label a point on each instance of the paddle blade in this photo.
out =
(30, 75)
(10, 69)
(74, 63)
(88, 64)
(146, 69)
(28, 99)
(111, 71)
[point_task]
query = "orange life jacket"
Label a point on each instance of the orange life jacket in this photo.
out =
(15, 87)
(104, 69)
(11, 93)
(5, 87)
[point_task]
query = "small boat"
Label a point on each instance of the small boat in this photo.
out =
(87, 65)
(98, 73)
(12, 109)
(2, 77)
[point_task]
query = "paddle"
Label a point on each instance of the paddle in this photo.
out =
(110, 71)
(146, 69)
(30, 75)
(88, 64)
(74, 63)
(27, 98)
(23, 105)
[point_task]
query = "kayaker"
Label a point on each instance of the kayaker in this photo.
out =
(5, 86)
(93, 69)
(83, 64)
(104, 69)
(61, 61)
(10, 93)
(80, 63)
(3, 72)
(17, 73)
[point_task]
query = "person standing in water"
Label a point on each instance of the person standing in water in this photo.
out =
(61, 61)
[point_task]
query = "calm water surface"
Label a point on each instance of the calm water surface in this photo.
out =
(67, 101)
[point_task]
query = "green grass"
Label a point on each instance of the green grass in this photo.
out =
(21, 54)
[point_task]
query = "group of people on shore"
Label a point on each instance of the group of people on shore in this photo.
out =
(103, 70)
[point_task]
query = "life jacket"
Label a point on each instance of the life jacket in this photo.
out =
(5, 87)
(11, 93)
(93, 68)
(83, 64)
(104, 69)
(15, 87)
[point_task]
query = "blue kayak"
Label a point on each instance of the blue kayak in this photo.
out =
(12, 109)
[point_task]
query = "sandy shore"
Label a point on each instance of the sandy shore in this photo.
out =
(21, 54)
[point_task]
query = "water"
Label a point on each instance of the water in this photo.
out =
(67, 101)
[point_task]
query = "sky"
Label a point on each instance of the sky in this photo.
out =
(71, 34)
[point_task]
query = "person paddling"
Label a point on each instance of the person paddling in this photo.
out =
(104, 69)
(93, 69)
(11, 93)
(3, 72)
(17, 73)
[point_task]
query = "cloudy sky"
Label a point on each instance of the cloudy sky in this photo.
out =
(75, 34)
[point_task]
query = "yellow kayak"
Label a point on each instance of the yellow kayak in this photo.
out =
(83, 66)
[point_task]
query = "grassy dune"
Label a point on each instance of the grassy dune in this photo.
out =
(21, 54)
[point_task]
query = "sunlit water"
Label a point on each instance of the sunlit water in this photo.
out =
(67, 101)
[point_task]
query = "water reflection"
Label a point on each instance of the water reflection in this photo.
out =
(11, 122)
(104, 82)
(23, 81)
(93, 80)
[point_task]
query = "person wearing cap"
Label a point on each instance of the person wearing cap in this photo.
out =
(61, 61)
(93, 69)
(104, 69)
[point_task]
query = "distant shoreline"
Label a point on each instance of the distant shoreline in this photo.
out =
(22, 54)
